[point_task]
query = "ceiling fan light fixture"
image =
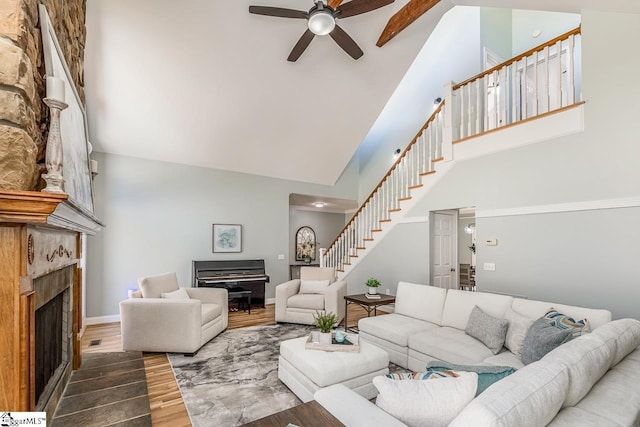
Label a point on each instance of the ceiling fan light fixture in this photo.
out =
(321, 22)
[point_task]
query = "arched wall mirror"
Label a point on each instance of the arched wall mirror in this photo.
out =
(305, 244)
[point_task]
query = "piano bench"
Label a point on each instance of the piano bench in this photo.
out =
(242, 295)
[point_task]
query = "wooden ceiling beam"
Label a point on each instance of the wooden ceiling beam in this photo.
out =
(333, 4)
(403, 18)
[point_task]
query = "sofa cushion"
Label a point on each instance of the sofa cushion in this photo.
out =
(458, 306)
(210, 312)
(536, 309)
(531, 396)
(179, 294)
(307, 301)
(424, 375)
(572, 417)
(487, 375)
(395, 328)
(426, 403)
(562, 321)
(420, 301)
(541, 339)
(586, 359)
(504, 358)
(154, 286)
(313, 286)
(626, 333)
(616, 396)
(517, 330)
(489, 330)
(449, 344)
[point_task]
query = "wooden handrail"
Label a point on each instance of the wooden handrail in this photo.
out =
(551, 42)
(395, 164)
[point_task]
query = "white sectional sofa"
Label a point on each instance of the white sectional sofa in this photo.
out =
(593, 380)
(429, 324)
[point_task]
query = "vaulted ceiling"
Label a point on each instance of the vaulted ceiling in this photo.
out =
(205, 83)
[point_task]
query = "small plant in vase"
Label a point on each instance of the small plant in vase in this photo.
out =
(325, 321)
(372, 286)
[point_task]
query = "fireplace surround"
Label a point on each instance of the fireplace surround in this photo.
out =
(41, 295)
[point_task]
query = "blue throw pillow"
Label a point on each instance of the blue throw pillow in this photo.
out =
(487, 375)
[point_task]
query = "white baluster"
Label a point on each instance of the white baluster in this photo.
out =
(570, 89)
(558, 93)
(546, 100)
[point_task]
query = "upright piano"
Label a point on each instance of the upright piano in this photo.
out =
(232, 274)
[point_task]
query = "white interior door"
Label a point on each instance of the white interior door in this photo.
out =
(444, 250)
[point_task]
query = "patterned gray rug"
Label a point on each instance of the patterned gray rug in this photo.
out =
(234, 378)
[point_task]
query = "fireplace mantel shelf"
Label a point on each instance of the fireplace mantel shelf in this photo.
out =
(33, 207)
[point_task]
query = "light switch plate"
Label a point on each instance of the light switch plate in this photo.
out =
(489, 266)
(280, 256)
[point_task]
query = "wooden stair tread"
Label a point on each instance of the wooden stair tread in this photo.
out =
(439, 159)
(427, 173)
(402, 199)
(415, 186)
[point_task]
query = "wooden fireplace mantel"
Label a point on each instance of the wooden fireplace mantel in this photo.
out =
(39, 234)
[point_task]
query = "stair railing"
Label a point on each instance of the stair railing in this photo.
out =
(416, 161)
(542, 80)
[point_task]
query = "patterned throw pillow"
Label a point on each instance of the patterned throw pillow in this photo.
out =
(541, 339)
(562, 321)
(429, 375)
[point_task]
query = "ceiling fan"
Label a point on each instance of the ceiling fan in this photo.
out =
(321, 20)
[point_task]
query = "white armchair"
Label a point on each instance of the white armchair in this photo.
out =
(316, 290)
(163, 317)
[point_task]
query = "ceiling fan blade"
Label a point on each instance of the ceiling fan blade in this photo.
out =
(278, 12)
(333, 4)
(346, 42)
(405, 17)
(300, 47)
(357, 7)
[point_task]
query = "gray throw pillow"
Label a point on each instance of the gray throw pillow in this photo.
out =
(541, 338)
(487, 329)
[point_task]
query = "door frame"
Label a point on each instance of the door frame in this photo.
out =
(454, 246)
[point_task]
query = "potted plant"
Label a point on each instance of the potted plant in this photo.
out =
(372, 284)
(325, 321)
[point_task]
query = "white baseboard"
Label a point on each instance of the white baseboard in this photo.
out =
(102, 319)
(270, 301)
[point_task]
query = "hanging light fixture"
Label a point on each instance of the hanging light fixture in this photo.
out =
(470, 228)
(321, 21)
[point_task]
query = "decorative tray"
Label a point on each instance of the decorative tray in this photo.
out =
(351, 344)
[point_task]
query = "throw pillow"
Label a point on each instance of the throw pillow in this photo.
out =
(541, 338)
(313, 286)
(562, 321)
(517, 330)
(179, 294)
(487, 375)
(426, 403)
(487, 329)
(429, 375)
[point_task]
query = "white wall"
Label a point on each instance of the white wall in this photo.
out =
(550, 25)
(574, 257)
(159, 217)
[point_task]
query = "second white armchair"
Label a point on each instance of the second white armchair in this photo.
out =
(316, 290)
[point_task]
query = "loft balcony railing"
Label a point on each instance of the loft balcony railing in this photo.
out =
(543, 80)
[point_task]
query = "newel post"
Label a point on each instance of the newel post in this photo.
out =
(447, 128)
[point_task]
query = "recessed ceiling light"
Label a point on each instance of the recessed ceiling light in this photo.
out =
(319, 204)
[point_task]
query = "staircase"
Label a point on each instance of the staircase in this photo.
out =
(539, 84)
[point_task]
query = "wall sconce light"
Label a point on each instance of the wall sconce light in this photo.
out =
(436, 102)
(319, 204)
(470, 228)
(396, 153)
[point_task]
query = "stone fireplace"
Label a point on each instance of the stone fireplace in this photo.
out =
(40, 291)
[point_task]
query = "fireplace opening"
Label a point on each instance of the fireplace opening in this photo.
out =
(49, 342)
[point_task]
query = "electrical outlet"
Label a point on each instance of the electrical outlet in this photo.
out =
(489, 266)
(388, 291)
(280, 256)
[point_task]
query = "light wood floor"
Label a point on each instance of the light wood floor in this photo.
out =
(167, 406)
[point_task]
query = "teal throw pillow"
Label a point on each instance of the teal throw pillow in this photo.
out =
(487, 375)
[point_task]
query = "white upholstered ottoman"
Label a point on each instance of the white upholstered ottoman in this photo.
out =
(306, 371)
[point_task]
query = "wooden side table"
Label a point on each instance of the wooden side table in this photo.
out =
(371, 305)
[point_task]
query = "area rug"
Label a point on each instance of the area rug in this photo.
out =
(233, 379)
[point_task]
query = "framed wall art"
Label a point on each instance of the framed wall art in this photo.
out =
(227, 238)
